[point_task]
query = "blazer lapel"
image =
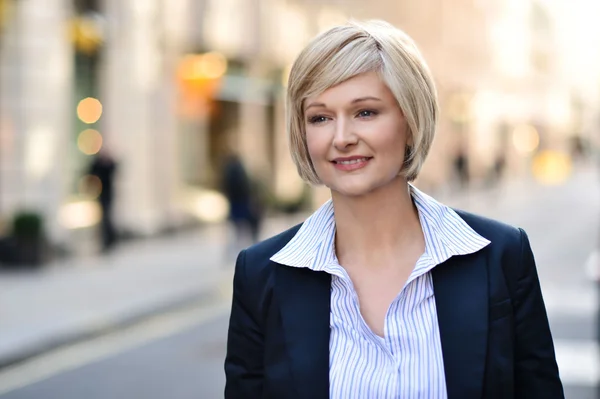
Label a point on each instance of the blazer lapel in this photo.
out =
(304, 296)
(461, 296)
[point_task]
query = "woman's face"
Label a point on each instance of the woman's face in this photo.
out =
(356, 135)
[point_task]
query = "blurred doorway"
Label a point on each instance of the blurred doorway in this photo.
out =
(223, 132)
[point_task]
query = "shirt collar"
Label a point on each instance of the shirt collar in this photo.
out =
(446, 234)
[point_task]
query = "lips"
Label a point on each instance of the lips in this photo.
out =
(351, 163)
(350, 160)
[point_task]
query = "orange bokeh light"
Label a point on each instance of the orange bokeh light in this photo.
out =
(89, 141)
(201, 73)
(89, 110)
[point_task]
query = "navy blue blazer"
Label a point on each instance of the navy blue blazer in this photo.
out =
(496, 342)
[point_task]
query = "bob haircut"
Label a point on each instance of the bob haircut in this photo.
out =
(348, 50)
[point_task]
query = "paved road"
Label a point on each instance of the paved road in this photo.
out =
(179, 355)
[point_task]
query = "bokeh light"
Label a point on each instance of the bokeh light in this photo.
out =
(213, 65)
(551, 167)
(207, 66)
(525, 139)
(207, 205)
(89, 110)
(89, 141)
(40, 155)
(78, 215)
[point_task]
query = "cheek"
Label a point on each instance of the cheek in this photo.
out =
(317, 147)
(392, 144)
(395, 138)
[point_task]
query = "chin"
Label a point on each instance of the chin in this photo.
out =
(361, 187)
(354, 189)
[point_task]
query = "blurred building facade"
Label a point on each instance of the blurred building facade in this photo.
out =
(35, 107)
(183, 82)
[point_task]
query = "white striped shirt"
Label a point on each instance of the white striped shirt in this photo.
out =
(407, 363)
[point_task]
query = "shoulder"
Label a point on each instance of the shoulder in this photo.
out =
(509, 249)
(269, 247)
(254, 276)
(498, 233)
(257, 258)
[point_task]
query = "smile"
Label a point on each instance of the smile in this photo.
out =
(351, 163)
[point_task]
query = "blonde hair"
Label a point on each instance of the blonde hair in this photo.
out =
(352, 49)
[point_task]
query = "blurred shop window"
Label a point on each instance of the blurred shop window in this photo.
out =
(87, 38)
(211, 123)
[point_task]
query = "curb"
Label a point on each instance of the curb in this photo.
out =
(97, 329)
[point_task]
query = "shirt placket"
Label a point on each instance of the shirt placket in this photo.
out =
(384, 344)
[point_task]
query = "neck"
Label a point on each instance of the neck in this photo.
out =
(377, 226)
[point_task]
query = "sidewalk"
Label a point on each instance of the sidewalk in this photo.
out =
(83, 297)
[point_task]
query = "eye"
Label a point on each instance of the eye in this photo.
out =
(317, 119)
(367, 113)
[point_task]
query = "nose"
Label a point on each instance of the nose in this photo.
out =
(344, 137)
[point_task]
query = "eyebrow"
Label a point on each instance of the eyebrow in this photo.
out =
(361, 99)
(355, 101)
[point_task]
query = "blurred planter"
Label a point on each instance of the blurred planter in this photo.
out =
(26, 246)
(300, 204)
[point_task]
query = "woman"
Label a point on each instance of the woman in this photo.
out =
(383, 292)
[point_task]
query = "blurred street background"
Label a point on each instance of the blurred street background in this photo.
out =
(130, 130)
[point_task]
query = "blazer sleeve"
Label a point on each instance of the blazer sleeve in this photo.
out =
(536, 371)
(244, 359)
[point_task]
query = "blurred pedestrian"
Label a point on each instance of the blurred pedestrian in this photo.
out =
(383, 292)
(495, 175)
(578, 148)
(104, 167)
(245, 208)
(499, 167)
(461, 166)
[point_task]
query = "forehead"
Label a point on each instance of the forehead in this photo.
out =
(363, 85)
